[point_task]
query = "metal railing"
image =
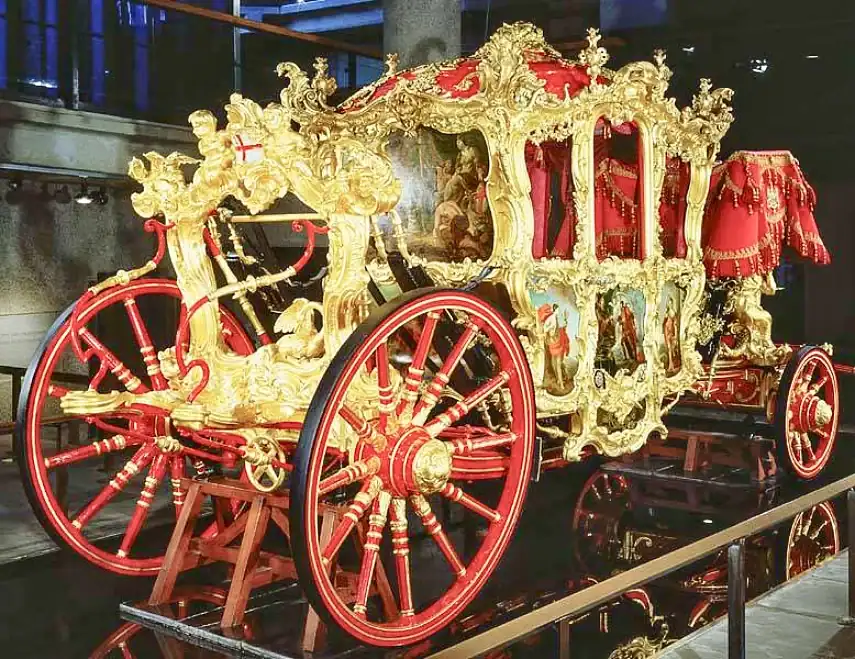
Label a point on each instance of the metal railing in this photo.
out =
(18, 373)
(564, 610)
(157, 60)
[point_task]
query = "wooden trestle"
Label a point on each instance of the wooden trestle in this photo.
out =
(242, 516)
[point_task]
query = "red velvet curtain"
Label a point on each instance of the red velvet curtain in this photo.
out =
(545, 162)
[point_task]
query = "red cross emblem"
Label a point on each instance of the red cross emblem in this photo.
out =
(247, 151)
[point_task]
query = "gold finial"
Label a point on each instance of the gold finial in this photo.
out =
(321, 67)
(662, 69)
(594, 37)
(323, 82)
(392, 61)
(594, 57)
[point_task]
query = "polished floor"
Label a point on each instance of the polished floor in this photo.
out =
(54, 605)
(804, 614)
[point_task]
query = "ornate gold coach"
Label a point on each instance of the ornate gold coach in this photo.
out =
(518, 257)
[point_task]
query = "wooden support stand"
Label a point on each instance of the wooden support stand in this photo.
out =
(241, 514)
(700, 449)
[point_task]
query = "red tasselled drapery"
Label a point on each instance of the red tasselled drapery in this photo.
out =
(758, 202)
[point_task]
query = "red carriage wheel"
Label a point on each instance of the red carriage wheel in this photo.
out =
(807, 412)
(814, 536)
(59, 483)
(596, 519)
(414, 446)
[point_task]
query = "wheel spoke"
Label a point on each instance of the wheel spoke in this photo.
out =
(56, 391)
(819, 529)
(467, 446)
(386, 404)
(364, 431)
(796, 443)
(434, 529)
(97, 448)
(807, 374)
(431, 396)
(462, 407)
(132, 467)
(415, 371)
(156, 474)
(803, 522)
(401, 551)
(149, 354)
(371, 549)
(816, 388)
(354, 513)
(808, 447)
(116, 366)
(350, 474)
(457, 495)
(176, 469)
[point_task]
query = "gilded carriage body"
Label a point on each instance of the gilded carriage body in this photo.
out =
(524, 254)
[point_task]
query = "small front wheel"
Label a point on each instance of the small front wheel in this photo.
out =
(430, 394)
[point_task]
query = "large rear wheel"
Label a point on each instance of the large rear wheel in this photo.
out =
(105, 480)
(430, 394)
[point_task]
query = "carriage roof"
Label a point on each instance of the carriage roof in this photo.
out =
(515, 89)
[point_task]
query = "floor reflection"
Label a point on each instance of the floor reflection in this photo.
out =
(581, 525)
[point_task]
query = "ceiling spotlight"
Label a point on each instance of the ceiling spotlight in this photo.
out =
(811, 56)
(689, 49)
(15, 184)
(100, 197)
(84, 196)
(62, 195)
(760, 65)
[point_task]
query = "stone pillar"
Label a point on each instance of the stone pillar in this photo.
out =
(422, 31)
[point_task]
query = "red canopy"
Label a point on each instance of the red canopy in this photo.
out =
(758, 202)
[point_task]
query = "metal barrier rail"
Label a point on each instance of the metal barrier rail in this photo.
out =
(237, 21)
(18, 373)
(563, 610)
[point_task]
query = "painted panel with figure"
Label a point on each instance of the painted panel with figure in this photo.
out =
(559, 319)
(668, 341)
(443, 206)
(620, 316)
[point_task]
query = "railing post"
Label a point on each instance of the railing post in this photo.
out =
(849, 618)
(736, 600)
(564, 639)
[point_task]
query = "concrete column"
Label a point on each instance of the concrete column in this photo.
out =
(422, 31)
